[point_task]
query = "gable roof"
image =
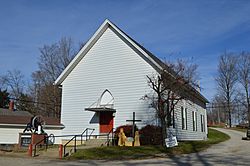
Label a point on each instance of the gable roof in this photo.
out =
(144, 53)
(106, 24)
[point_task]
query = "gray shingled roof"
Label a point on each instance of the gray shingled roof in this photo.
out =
(23, 117)
(7, 112)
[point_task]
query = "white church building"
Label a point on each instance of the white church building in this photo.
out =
(104, 84)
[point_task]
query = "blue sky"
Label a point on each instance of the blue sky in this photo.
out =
(198, 30)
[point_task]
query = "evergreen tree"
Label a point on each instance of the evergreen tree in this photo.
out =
(4, 99)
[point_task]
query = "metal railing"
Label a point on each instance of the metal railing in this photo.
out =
(112, 137)
(85, 133)
(64, 147)
(46, 140)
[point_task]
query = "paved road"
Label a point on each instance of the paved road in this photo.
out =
(232, 152)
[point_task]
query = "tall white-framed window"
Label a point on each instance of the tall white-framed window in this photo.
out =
(184, 118)
(202, 123)
(173, 118)
(194, 117)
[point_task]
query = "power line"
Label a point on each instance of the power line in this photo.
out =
(35, 102)
(225, 105)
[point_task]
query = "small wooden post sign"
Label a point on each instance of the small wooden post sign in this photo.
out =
(171, 141)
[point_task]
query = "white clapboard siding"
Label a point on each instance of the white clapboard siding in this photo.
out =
(189, 134)
(110, 64)
(11, 135)
(55, 132)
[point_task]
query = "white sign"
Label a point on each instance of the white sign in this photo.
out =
(171, 142)
(130, 139)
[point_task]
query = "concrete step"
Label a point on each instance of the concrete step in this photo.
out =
(91, 143)
(102, 137)
(96, 142)
(54, 151)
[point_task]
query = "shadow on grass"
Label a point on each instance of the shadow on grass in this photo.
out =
(121, 153)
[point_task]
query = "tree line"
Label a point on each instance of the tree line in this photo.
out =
(233, 87)
(39, 96)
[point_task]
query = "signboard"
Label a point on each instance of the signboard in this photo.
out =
(130, 139)
(25, 140)
(171, 142)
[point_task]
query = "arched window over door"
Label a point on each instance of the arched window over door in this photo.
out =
(106, 100)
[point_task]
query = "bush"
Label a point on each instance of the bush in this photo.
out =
(150, 135)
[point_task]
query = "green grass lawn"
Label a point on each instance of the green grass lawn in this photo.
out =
(118, 153)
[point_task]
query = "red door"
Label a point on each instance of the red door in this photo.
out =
(106, 122)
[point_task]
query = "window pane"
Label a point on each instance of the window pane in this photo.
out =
(182, 117)
(186, 118)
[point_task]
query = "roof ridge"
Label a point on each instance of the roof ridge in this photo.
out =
(156, 62)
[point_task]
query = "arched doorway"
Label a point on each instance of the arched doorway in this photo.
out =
(104, 107)
(106, 118)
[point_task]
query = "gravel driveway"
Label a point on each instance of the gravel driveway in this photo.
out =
(232, 152)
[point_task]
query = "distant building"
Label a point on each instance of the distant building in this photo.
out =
(14, 122)
(104, 84)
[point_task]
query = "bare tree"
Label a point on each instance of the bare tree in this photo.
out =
(216, 111)
(227, 79)
(173, 84)
(53, 60)
(25, 103)
(48, 62)
(244, 78)
(240, 108)
(14, 82)
(187, 70)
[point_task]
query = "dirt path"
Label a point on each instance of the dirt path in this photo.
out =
(232, 152)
